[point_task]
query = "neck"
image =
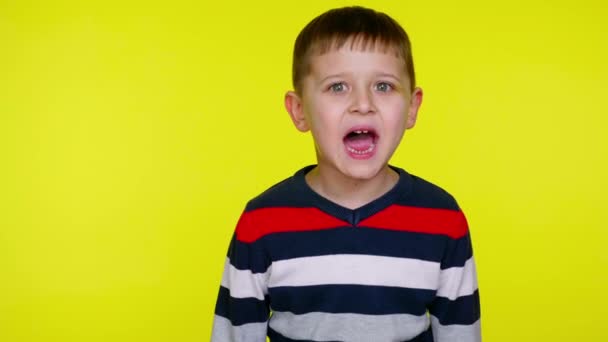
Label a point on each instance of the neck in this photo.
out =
(350, 192)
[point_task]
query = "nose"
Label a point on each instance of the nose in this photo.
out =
(362, 102)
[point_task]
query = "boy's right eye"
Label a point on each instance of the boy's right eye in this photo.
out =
(337, 87)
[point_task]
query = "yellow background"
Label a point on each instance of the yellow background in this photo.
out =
(133, 132)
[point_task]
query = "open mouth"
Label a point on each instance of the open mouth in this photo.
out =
(361, 142)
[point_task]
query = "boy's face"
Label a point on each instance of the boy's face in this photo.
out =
(357, 104)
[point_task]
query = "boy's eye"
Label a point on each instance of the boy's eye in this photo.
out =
(384, 87)
(337, 87)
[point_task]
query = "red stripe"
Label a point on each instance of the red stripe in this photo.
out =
(420, 220)
(260, 222)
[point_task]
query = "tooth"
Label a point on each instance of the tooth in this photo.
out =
(365, 132)
(358, 132)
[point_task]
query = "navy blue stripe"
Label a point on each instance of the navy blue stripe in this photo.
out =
(358, 240)
(360, 299)
(248, 256)
(274, 336)
(457, 252)
(367, 241)
(241, 310)
(463, 310)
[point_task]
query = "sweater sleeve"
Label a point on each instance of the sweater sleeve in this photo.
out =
(455, 313)
(242, 308)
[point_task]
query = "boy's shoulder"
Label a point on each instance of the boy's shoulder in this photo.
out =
(423, 193)
(290, 192)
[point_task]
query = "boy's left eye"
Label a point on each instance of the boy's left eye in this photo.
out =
(384, 87)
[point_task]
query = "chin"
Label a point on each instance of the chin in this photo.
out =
(363, 172)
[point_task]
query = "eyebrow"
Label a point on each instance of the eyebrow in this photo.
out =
(340, 75)
(396, 78)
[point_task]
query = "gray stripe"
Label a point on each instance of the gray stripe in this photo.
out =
(456, 332)
(224, 331)
(320, 326)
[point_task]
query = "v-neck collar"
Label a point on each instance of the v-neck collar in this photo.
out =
(353, 216)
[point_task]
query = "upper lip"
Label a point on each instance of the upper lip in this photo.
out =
(361, 129)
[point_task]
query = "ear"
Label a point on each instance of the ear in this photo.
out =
(293, 104)
(415, 102)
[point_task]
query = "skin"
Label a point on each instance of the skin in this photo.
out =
(349, 88)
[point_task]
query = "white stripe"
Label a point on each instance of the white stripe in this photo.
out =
(224, 331)
(355, 269)
(456, 282)
(319, 326)
(456, 332)
(244, 283)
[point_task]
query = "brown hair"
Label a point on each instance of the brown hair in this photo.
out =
(365, 28)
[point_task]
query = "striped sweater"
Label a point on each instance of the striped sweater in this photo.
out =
(302, 268)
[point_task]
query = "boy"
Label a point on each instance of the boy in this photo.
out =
(351, 249)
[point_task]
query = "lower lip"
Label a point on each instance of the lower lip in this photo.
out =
(361, 156)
